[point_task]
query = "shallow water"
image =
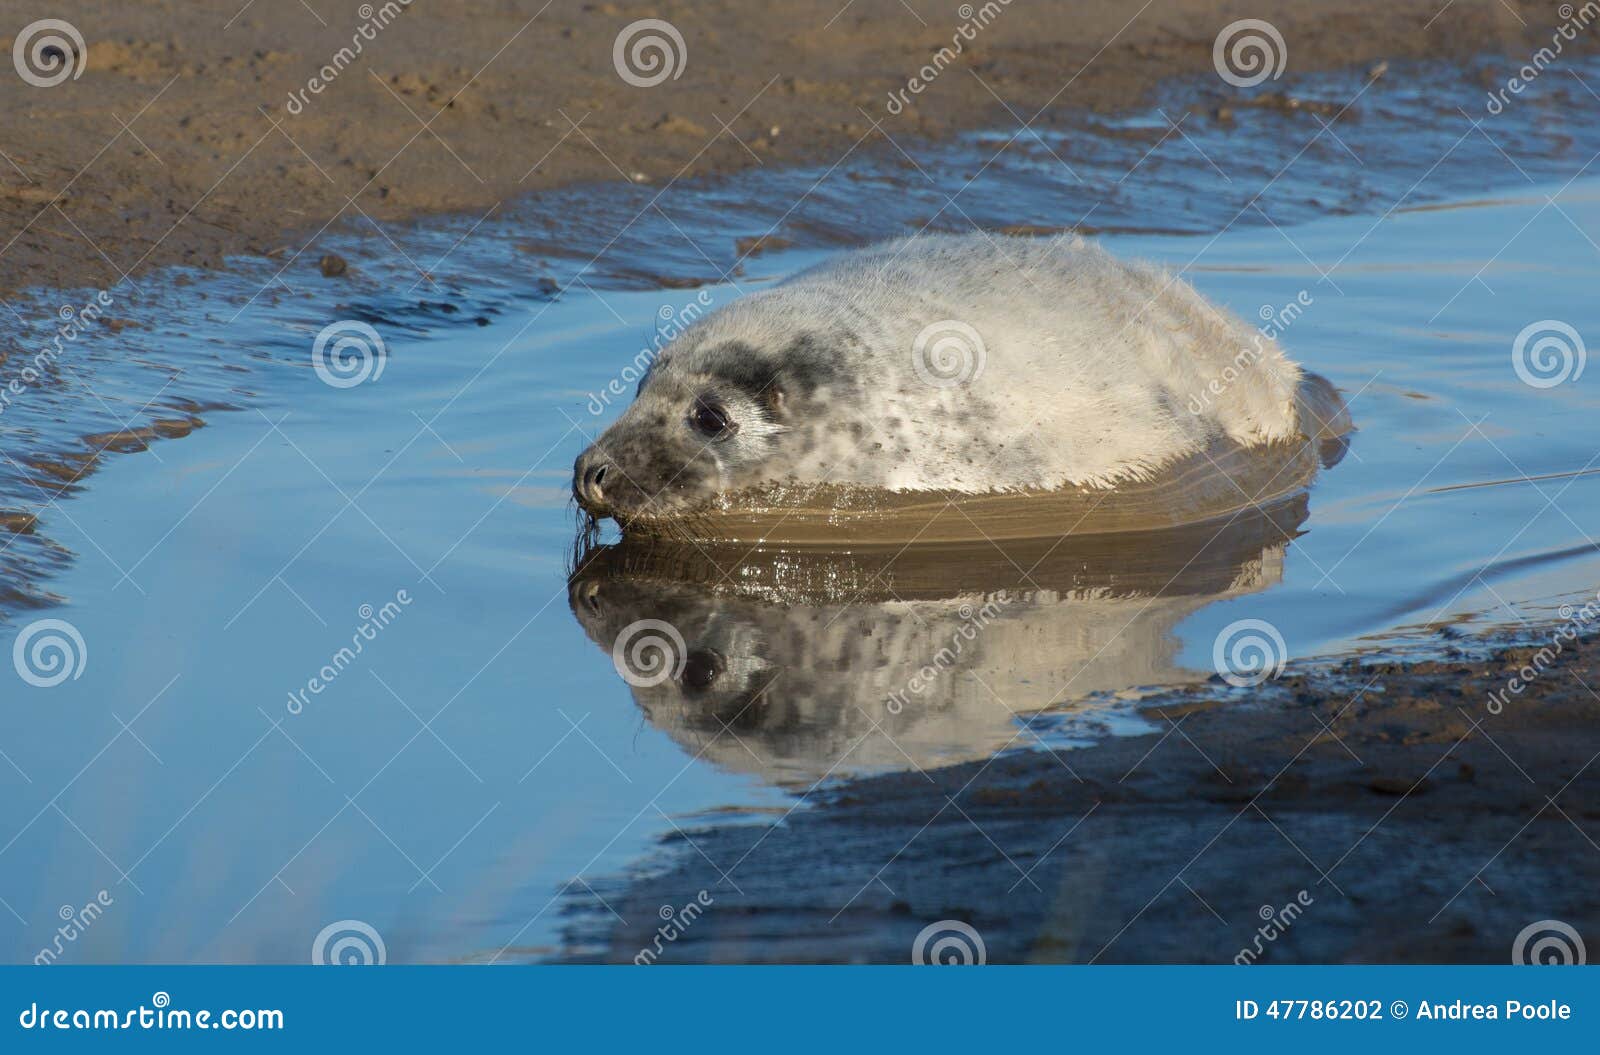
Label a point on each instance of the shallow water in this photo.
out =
(480, 757)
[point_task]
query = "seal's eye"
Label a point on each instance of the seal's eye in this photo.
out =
(710, 419)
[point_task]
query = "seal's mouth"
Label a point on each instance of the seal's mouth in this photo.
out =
(653, 522)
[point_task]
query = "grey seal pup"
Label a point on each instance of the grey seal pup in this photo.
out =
(959, 367)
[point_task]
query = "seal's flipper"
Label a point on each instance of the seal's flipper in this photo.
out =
(1324, 417)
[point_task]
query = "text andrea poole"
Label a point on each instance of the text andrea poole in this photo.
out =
(1374, 1010)
(1460, 1009)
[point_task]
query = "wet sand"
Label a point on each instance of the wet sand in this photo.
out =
(191, 133)
(1404, 821)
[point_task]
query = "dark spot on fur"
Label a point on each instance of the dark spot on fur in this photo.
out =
(806, 365)
(809, 364)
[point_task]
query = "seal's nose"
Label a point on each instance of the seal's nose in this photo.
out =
(588, 480)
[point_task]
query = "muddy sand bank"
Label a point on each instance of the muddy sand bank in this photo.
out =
(1372, 812)
(191, 132)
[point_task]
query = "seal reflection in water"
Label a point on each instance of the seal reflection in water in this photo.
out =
(800, 665)
(948, 388)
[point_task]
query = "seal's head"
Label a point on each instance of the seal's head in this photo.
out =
(732, 405)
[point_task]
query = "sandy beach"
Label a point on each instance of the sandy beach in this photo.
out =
(194, 131)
